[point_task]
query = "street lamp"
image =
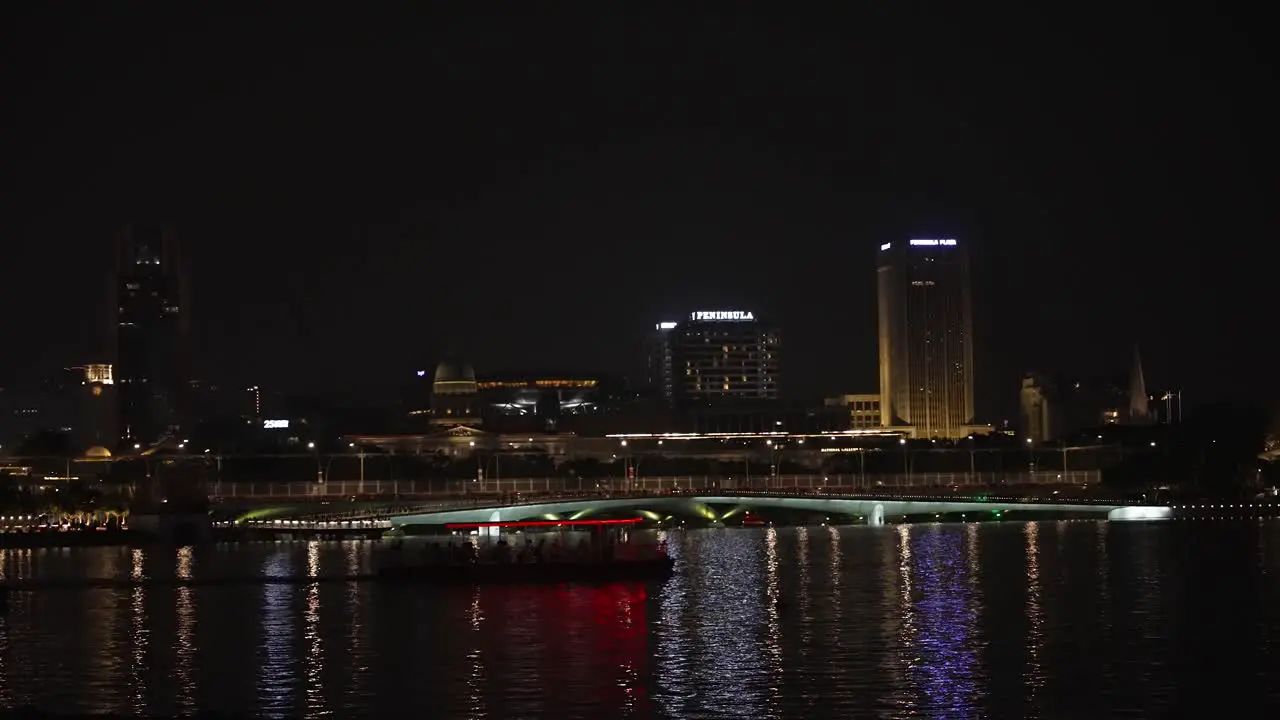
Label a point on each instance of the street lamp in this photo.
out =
(628, 469)
(360, 450)
(906, 459)
(319, 467)
(773, 464)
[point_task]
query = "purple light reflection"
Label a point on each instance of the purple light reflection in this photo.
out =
(943, 621)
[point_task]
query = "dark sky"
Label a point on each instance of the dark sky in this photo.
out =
(359, 191)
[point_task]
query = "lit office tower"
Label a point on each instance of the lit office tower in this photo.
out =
(926, 336)
(716, 355)
(150, 370)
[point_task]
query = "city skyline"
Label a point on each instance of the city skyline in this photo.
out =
(172, 279)
(333, 245)
(679, 360)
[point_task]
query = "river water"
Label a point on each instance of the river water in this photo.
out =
(1003, 620)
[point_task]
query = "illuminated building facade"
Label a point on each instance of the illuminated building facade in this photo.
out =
(150, 369)
(716, 355)
(864, 410)
(926, 336)
(515, 401)
(548, 396)
(455, 399)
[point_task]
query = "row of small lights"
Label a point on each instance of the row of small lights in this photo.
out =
(1241, 506)
(328, 524)
(943, 498)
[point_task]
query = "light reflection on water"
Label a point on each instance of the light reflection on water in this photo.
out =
(1033, 675)
(277, 679)
(475, 658)
(802, 570)
(140, 634)
(773, 652)
(185, 645)
(726, 614)
(939, 620)
(313, 645)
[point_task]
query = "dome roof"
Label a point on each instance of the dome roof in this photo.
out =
(451, 372)
(97, 451)
(454, 378)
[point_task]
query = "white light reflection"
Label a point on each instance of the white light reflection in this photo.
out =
(276, 672)
(905, 660)
(773, 622)
(729, 619)
(7, 698)
(802, 562)
(355, 627)
(675, 686)
(1033, 677)
(184, 643)
(314, 660)
(476, 678)
(140, 635)
(835, 566)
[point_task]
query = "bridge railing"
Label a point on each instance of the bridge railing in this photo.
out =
(313, 491)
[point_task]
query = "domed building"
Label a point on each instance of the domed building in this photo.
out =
(454, 378)
(454, 396)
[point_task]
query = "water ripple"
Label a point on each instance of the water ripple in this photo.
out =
(940, 620)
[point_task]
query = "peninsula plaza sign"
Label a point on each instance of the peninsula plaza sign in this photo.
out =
(932, 242)
(722, 316)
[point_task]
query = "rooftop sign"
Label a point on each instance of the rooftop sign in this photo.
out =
(666, 325)
(886, 246)
(932, 242)
(722, 316)
(275, 424)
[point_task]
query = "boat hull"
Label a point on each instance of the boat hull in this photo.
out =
(531, 573)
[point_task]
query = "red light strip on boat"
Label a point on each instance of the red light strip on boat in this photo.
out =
(541, 523)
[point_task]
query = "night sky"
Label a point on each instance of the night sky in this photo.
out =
(359, 192)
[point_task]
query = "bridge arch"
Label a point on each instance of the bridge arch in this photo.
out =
(876, 516)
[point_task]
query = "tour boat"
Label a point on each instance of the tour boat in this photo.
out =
(531, 559)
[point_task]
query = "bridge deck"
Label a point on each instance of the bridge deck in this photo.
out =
(842, 504)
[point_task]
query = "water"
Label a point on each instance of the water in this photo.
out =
(1048, 619)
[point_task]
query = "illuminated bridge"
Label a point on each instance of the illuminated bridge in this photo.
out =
(873, 509)
(717, 508)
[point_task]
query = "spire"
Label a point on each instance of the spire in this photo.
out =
(1137, 389)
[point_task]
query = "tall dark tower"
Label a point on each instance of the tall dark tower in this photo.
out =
(926, 336)
(1139, 405)
(151, 334)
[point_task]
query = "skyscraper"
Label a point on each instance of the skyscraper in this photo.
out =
(926, 336)
(716, 355)
(150, 369)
